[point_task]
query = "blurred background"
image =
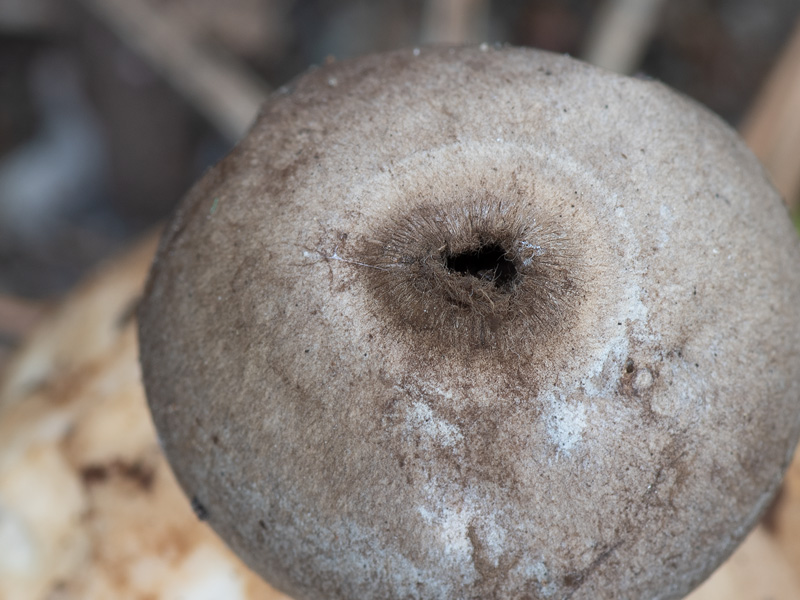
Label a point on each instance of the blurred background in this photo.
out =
(110, 109)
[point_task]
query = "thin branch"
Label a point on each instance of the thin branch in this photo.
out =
(772, 127)
(454, 21)
(224, 90)
(621, 32)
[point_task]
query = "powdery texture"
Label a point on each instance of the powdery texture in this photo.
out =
(602, 412)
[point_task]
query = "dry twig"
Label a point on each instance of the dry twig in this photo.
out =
(772, 128)
(219, 86)
(454, 21)
(620, 33)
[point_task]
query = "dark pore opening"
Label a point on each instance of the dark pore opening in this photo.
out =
(487, 263)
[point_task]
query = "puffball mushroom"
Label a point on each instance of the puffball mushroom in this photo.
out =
(478, 323)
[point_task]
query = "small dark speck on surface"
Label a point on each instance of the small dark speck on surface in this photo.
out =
(200, 511)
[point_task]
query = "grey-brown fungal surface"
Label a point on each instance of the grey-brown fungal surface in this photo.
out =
(478, 323)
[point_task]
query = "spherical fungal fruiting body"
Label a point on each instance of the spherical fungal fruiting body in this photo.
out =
(478, 323)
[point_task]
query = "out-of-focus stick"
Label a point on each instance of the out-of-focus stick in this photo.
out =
(619, 35)
(772, 128)
(454, 21)
(221, 88)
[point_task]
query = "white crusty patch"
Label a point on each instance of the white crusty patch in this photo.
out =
(456, 516)
(420, 417)
(349, 550)
(666, 224)
(491, 535)
(448, 512)
(452, 525)
(532, 569)
(565, 422)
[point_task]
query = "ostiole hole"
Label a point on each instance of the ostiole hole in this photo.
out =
(489, 262)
